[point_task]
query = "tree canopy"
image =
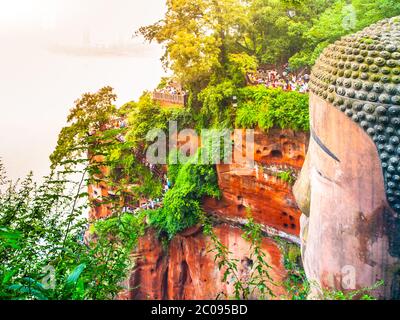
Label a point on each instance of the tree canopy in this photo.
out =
(200, 35)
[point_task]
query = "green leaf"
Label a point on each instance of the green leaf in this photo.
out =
(8, 276)
(27, 290)
(75, 274)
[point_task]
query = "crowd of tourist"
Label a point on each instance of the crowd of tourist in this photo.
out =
(171, 88)
(150, 204)
(286, 80)
(171, 93)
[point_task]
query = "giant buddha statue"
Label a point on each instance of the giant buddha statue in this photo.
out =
(349, 187)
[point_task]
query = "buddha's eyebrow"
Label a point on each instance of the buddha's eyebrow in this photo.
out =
(322, 146)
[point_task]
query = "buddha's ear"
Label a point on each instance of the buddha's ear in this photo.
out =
(302, 188)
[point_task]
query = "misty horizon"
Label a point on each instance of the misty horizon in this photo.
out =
(46, 65)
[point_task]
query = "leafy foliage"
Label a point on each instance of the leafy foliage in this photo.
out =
(42, 237)
(361, 294)
(196, 35)
(211, 45)
(44, 226)
(3, 175)
(128, 175)
(182, 203)
(94, 146)
(287, 176)
(239, 64)
(267, 108)
(146, 115)
(339, 19)
(126, 227)
(276, 28)
(200, 36)
(90, 114)
(217, 109)
(296, 283)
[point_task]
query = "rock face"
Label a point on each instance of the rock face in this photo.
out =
(187, 270)
(97, 192)
(269, 197)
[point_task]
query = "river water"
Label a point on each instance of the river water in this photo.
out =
(44, 70)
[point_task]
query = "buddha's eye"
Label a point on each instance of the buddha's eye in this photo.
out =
(322, 146)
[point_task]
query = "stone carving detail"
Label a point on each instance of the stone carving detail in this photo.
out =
(360, 75)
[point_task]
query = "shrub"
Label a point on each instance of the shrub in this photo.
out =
(216, 110)
(181, 206)
(42, 251)
(146, 114)
(268, 108)
(287, 176)
(126, 228)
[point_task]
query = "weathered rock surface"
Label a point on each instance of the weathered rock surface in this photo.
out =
(270, 198)
(186, 269)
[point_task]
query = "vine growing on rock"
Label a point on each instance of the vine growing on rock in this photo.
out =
(287, 176)
(295, 283)
(361, 294)
(258, 283)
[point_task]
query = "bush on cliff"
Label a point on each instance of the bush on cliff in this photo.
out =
(146, 115)
(267, 108)
(216, 106)
(182, 203)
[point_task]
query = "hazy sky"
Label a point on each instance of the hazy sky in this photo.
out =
(51, 51)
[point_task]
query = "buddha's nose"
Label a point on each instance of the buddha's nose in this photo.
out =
(302, 188)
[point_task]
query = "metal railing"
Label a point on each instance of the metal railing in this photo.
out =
(170, 98)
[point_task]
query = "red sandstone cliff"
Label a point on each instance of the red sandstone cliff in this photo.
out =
(270, 199)
(186, 269)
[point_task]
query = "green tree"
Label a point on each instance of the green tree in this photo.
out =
(341, 18)
(91, 113)
(94, 146)
(197, 35)
(276, 27)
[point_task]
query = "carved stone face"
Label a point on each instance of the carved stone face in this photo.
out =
(349, 188)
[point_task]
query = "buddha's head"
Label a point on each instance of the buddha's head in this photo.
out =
(349, 188)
